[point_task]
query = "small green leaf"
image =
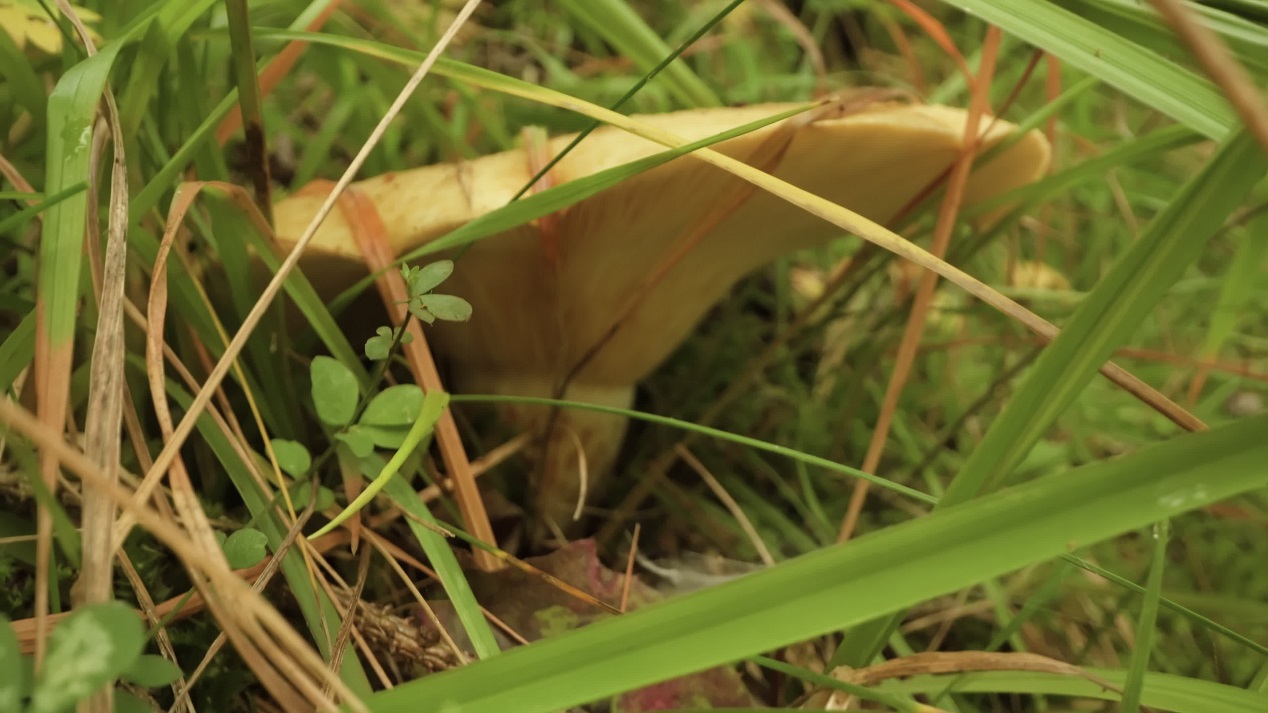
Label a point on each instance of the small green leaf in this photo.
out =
(394, 406)
(378, 346)
(86, 651)
(357, 440)
(417, 309)
(300, 495)
(389, 415)
(334, 391)
(386, 436)
(292, 456)
(245, 548)
(125, 702)
(14, 680)
(427, 278)
(152, 671)
(447, 307)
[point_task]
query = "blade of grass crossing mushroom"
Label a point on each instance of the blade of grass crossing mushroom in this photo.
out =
(847, 220)
(879, 572)
(1105, 319)
(555, 199)
(560, 197)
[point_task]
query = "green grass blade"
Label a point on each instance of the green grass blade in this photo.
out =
(617, 23)
(833, 467)
(1136, 71)
(434, 404)
(1106, 318)
(23, 83)
(1244, 277)
(17, 351)
(690, 427)
(1161, 691)
(1112, 311)
(875, 574)
(33, 210)
(1146, 625)
(447, 568)
(1141, 24)
(72, 108)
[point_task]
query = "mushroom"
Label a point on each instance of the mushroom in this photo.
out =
(586, 304)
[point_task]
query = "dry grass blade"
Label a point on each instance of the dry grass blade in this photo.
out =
(949, 209)
(455, 651)
(349, 622)
(183, 605)
(261, 624)
(729, 502)
(287, 688)
(938, 33)
(947, 663)
(267, 569)
(105, 390)
(181, 204)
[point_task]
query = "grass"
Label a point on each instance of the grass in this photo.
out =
(1058, 541)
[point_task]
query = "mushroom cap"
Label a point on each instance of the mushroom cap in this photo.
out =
(535, 314)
